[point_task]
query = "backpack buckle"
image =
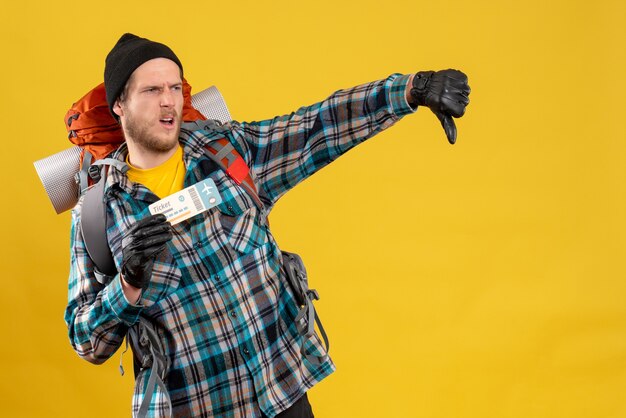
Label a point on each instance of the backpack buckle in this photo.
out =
(94, 172)
(313, 295)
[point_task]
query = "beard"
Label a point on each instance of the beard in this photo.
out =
(157, 141)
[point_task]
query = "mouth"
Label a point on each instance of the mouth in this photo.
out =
(167, 122)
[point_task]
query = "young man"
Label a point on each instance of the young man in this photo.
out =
(213, 287)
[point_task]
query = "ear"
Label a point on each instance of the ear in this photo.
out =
(117, 108)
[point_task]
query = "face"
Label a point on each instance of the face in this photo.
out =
(151, 107)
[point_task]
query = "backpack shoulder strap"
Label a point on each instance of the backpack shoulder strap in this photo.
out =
(224, 154)
(93, 221)
(94, 225)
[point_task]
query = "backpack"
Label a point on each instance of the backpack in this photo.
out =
(93, 128)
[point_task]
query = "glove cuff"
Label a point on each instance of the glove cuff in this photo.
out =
(420, 86)
(131, 279)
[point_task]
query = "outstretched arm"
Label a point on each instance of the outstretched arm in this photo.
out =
(285, 150)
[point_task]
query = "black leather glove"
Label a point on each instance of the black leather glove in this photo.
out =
(140, 246)
(446, 93)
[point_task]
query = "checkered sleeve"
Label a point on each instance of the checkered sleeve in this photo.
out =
(287, 149)
(97, 315)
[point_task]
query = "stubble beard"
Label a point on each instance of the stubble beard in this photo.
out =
(139, 132)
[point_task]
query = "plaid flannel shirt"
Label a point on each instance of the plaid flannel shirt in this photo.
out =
(218, 294)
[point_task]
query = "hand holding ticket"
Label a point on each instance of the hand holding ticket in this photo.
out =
(188, 202)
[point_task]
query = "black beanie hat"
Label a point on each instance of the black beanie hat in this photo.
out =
(130, 52)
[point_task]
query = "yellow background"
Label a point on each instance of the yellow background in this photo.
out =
(484, 279)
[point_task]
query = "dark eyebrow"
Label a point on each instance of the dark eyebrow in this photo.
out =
(159, 87)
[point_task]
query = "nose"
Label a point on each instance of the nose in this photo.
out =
(167, 98)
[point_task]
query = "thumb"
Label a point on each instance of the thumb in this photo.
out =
(448, 125)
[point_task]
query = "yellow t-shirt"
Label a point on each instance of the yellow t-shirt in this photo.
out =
(164, 179)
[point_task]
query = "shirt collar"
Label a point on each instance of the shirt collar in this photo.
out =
(192, 141)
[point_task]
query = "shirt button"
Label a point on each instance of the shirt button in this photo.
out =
(246, 351)
(233, 314)
(230, 208)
